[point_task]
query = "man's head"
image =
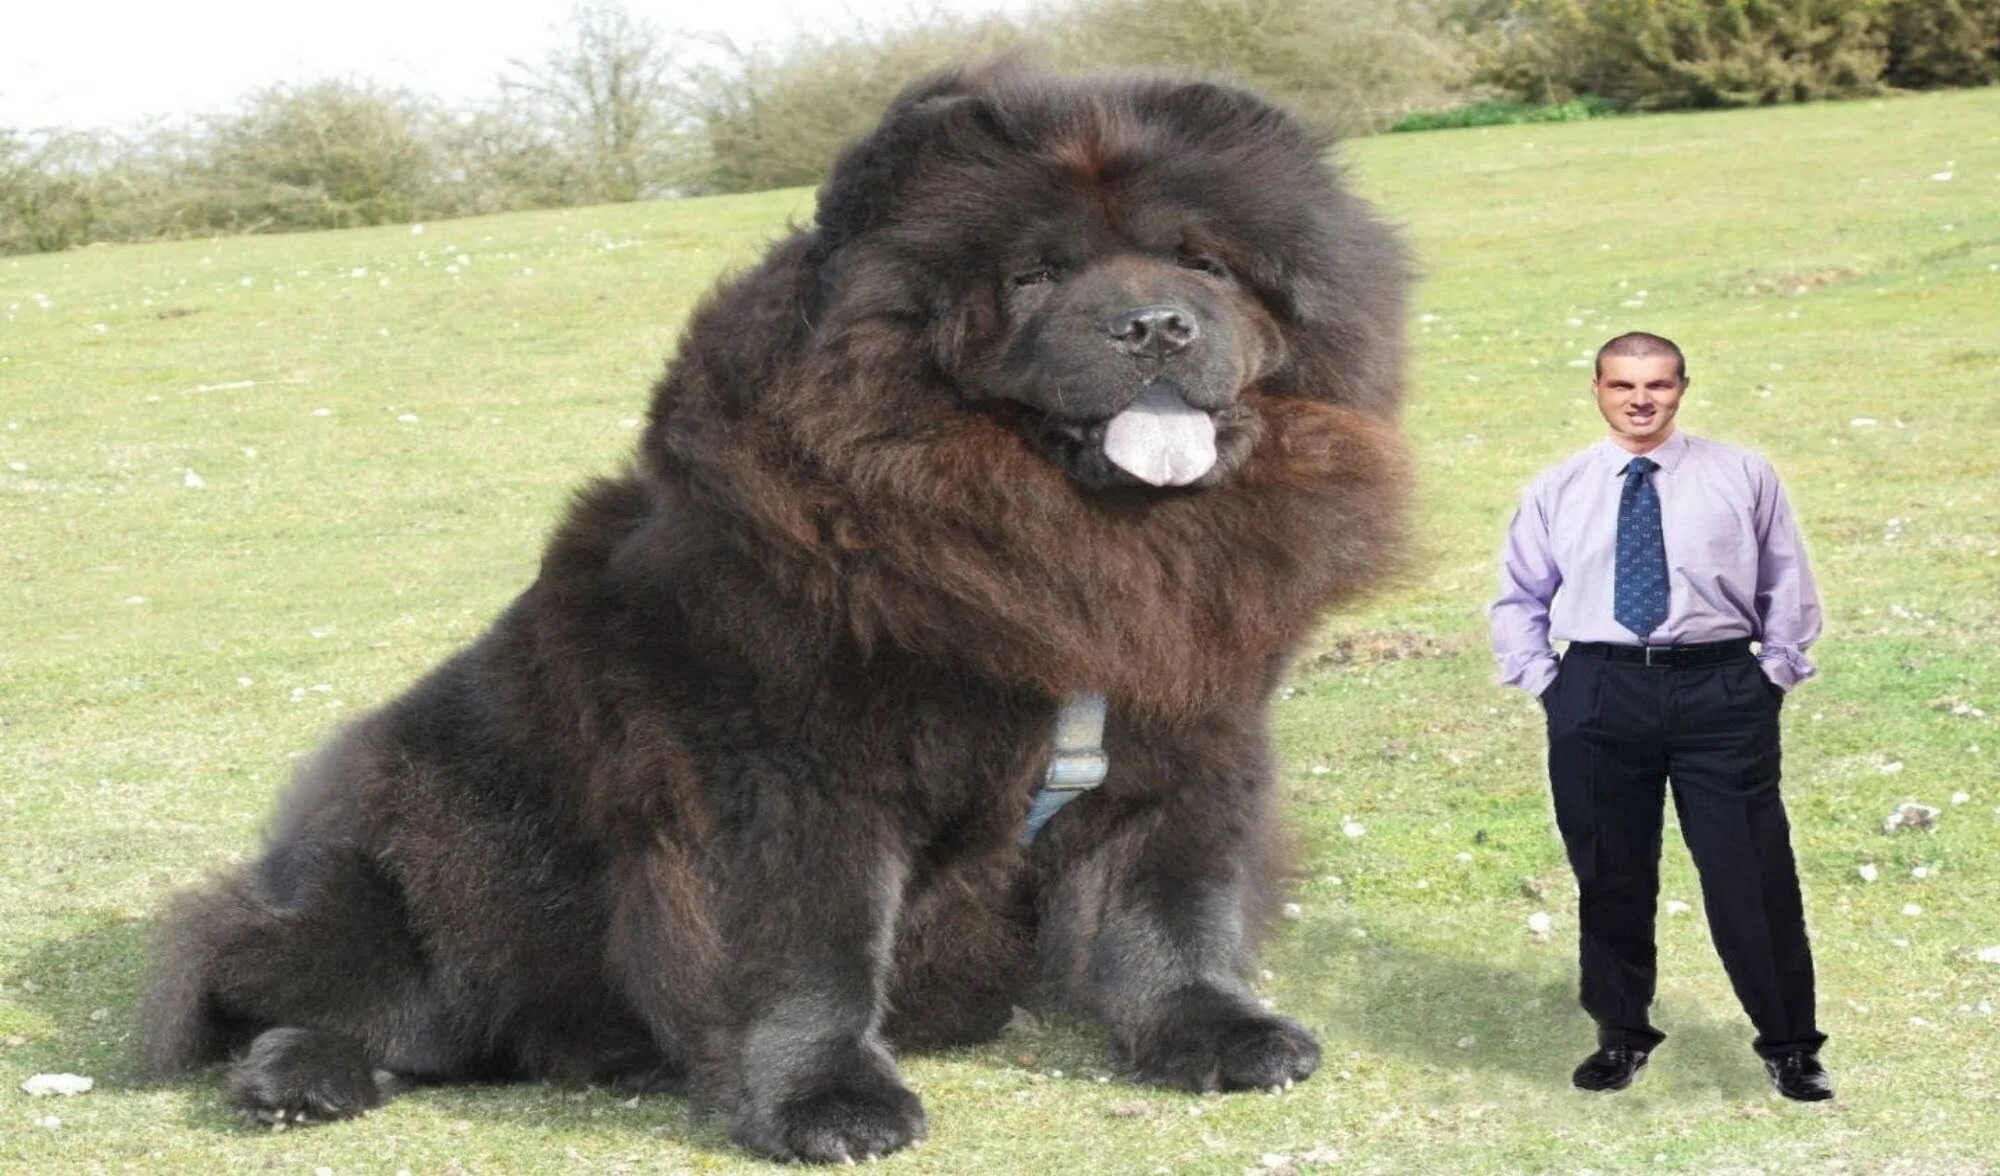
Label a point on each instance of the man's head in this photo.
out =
(1640, 379)
(1638, 344)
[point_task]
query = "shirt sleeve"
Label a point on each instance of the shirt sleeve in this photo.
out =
(1788, 609)
(1528, 583)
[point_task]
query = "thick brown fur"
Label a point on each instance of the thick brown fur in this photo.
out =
(729, 801)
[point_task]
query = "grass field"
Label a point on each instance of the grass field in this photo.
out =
(249, 487)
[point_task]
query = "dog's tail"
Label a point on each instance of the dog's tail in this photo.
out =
(177, 1024)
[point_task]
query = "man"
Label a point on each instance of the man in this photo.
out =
(1661, 558)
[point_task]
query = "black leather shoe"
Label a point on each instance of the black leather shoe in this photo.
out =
(1609, 1069)
(1798, 1075)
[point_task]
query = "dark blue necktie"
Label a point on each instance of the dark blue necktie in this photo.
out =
(1639, 589)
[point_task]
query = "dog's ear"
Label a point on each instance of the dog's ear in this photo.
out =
(943, 113)
(1211, 111)
(870, 173)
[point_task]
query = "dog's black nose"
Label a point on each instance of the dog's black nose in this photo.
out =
(1154, 332)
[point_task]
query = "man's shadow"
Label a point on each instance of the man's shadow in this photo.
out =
(1456, 1011)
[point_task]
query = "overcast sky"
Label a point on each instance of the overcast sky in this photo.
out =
(90, 63)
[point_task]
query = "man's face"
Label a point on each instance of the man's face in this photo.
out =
(1638, 395)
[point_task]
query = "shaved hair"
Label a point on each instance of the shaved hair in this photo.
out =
(1638, 344)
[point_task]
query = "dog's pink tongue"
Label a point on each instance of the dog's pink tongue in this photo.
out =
(1161, 439)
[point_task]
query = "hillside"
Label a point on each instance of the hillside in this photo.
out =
(249, 487)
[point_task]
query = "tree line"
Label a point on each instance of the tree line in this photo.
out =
(622, 110)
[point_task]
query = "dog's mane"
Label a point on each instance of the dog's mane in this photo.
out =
(841, 463)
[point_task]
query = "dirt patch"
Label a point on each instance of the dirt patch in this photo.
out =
(1392, 646)
(1755, 284)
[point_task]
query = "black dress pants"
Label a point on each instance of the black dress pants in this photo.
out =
(1618, 731)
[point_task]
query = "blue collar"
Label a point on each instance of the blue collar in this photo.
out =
(1077, 765)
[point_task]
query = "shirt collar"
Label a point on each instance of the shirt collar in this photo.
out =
(1613, 457)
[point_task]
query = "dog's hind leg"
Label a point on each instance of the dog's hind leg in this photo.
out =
(964, 959)
(302, 967)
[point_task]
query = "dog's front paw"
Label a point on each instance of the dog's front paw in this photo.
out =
(1240, 1052)
(845, 1120)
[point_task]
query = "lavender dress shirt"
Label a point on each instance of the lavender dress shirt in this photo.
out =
(1735, 564)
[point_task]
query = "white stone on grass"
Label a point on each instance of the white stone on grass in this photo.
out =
(1676, 907)
(1540, 923)
(44, 1085)
(1868, 872)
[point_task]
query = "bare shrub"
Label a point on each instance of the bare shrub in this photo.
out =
(1345, 66)
(331, 154)
(772, 119)
(610, 99)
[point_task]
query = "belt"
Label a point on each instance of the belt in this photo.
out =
(1706, 654)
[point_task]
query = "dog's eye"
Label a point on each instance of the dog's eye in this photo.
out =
(1203, 263)
(1036, 276)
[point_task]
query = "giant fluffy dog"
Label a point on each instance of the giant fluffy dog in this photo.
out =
(1072, 387)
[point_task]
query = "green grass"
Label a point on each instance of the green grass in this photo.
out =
(1815, 271)
(1502, 112)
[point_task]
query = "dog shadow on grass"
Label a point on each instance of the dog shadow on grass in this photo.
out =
(83, 986)
(80, 990)
(1453, 1012)
(1458, 1012)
